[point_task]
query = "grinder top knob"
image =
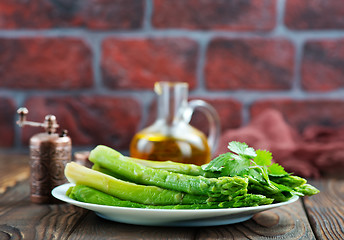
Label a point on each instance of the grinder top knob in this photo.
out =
(50, 124)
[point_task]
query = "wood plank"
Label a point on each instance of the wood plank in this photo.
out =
(13, 169)
(287, 222)
(20, 217)
(93, 228)
(326, 209)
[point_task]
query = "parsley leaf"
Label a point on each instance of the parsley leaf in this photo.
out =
(277, 170)
(228, 164)
(260, 163)
(263, 158)
(238, 167)
(219, 163)
(242, 149)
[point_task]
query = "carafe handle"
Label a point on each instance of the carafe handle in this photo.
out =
(212, 117)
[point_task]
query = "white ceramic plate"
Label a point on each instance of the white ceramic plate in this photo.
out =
(166, 217)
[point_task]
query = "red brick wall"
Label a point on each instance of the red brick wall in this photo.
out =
(93, 63)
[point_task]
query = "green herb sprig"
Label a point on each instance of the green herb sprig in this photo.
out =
(244, 161)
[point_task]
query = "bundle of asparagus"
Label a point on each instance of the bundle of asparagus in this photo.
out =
(240, 178)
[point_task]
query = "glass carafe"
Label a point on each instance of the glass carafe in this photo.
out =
(171, 137)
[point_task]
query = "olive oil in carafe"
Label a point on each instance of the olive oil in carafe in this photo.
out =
(163, 148)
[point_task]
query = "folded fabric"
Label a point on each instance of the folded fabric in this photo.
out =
(315, 153)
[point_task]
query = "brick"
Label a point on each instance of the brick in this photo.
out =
(301, 114)
(310, 14)
(139, 63)
(45, 63)
(238, 15)
(254, 64)
(8, 111)
(323, 65)
(90, 120)
(92, 14)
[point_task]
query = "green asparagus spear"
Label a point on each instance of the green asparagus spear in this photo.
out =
(306, 190)
(289, 180)
(183, 168)
(248, 200)
(86, 194)
(112, 160)
(108, 172)
(279, 193)
(90, 195)
(151, 195)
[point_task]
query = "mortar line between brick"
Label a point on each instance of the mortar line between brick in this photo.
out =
(297, 85)
(251, 96)
(201, 61)
(280, 10)
(237, 94)
(280, 31)
(95, 45)
(147, 17)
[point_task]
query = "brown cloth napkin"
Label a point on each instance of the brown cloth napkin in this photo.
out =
(317, 152)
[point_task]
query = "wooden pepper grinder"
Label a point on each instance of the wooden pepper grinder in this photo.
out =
(49, 153)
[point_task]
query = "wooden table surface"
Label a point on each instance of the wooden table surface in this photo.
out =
(317, 217)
